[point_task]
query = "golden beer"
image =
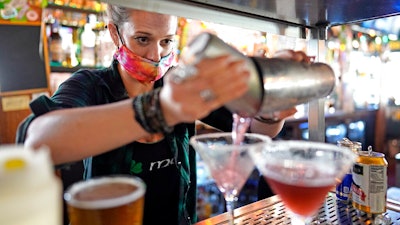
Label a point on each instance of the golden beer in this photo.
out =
(106, 201)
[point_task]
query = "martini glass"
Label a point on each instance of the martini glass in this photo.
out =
(229, 162)
(302, 173)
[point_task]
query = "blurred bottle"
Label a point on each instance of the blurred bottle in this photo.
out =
(59, 2)
(88, 43)
(70, 59)
(56, 50)
(30, 192)
(104, 49)
(76, 3)
(76, 40)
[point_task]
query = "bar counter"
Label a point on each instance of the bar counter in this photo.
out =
(272, 211)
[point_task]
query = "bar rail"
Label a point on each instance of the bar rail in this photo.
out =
(272, 211)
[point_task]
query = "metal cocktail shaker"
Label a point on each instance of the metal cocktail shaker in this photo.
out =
(207, 45)
(275, 84)
(287, 83)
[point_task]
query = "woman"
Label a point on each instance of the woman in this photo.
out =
(129, 119)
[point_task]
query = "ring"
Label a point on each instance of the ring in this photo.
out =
(207, 95)
(183, 72)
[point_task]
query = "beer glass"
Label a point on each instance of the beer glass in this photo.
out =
(112, 200)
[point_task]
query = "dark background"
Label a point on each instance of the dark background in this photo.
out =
(21, 64)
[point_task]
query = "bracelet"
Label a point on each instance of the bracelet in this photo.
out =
(267, 120)
(148, 112)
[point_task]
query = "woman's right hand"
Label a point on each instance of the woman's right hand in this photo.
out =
(221, 77)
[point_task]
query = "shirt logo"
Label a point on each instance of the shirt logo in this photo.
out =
(137, 167)
(161, 164)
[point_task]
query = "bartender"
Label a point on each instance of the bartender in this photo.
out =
(131, 119)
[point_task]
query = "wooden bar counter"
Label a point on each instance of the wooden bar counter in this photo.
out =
(272, 211)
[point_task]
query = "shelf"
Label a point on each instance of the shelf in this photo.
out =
(62, 69)
(259, 14)
(72, 9)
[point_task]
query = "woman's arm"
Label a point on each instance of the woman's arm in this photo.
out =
(73, 134)
(76, 133)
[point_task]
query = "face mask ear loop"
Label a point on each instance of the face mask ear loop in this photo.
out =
(119, 35)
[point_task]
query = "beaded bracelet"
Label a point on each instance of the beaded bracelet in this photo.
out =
(148, 112)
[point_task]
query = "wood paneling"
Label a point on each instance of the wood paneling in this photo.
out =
(9, 122)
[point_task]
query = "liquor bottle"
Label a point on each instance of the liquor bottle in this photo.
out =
(56, 50)
(88, 42)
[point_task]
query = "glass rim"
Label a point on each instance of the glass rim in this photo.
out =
(322, 146)
(104, 203)
(313, 144)
(264, 139)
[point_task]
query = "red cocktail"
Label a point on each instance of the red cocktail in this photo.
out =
(302, 172)
(295, 196)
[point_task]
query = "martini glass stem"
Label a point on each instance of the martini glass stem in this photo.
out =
(230, 206)
(300, 220)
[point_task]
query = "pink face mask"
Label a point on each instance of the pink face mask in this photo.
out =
(142, 69)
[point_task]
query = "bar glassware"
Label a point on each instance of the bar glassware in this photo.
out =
(302, 173)
(228, 161)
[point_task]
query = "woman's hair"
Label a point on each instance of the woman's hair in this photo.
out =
(118, 14)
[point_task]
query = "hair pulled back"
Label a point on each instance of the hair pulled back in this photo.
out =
(118, 14)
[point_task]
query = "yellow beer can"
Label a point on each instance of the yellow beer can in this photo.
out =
(369, 182)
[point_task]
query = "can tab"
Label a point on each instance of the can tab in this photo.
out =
(369, 149)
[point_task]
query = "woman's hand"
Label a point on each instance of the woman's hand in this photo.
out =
(216, 82)
(298, 56)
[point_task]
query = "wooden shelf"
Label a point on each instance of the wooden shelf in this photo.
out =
(72, 9)
(62, 69)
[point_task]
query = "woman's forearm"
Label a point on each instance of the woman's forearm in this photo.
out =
(74, 134)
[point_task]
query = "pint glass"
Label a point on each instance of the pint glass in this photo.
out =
(114, 200)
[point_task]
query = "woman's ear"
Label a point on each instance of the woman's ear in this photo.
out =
(114, 34)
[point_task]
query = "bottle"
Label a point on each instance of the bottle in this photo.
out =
(30, 191)
(56, 50)
(88, 42)
(77, 46)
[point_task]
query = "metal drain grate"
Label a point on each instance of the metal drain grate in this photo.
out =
(272, 211)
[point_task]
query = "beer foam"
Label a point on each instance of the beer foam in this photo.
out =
(105, 192)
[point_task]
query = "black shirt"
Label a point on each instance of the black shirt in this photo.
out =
(155, 164)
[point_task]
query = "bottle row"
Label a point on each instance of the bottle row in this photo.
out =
(87, 46)
(74, 19)
(80, 4)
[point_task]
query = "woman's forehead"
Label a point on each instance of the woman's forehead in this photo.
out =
(150, 22)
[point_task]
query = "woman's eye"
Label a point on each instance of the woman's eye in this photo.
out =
(142, 40)
(167, 41)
